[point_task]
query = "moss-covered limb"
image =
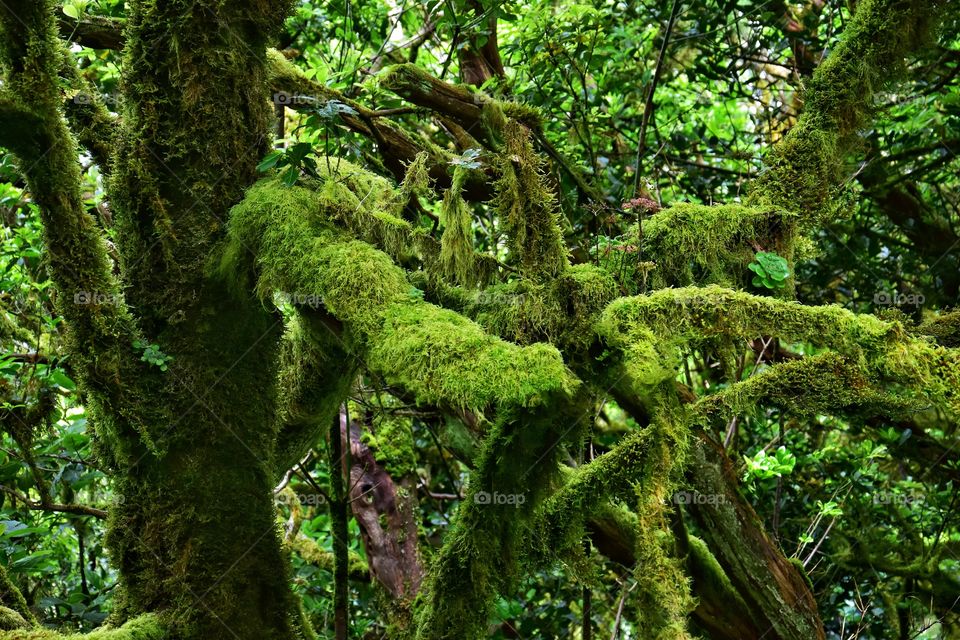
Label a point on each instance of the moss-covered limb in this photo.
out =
(720, 612)
(415, 85)
(776, 593)
(12, 598)
(195, 123)
(87, 115)
(396, 147)
(487, 548)
(101, 331)
(96, 32)
(562, 311)
(805, 169)
(560, 521)
(438, 355)
(700, 244)
(312, 553)
(651, 329)
(315, 376)
(527, 208)
(822, 384)
(663, 588)
(146, 627)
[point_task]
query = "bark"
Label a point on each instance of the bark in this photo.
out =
(779, 598)
(388, 513)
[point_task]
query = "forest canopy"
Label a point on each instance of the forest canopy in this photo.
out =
(455, 320)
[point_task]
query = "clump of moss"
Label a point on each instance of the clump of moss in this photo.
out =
(699, 244)
(527, 207)
(456, 244)
(281, 239)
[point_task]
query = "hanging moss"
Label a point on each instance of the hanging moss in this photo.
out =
(316, 374)
(456, 244)
(528, 208)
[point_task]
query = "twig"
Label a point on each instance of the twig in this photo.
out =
(648, 108)
(75, 509)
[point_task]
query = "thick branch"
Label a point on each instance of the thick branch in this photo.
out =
(773, 588)
(806, 167)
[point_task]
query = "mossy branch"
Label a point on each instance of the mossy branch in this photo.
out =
(437, 354)
(806, 168)
(101, 334)
(145, 627)
(650, 330)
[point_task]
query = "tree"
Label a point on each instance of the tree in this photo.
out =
(239, 295)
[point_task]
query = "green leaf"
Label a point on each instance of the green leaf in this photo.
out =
(290, 176)
(774, 265)
(58, 377)
(269, 161)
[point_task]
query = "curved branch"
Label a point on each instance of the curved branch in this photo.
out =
(75, 509)
(806, 167)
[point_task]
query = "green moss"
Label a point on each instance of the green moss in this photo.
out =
(12, 599)
(698, 244)
(315, 555)
(456, 244)
(146, 627)
(316, 374)
(10, 620)
(392, 440)
(528, 208)
(822, 384)
(437, 354)
(447, 358)
(562, 311)
(651, 329)
(805, 169)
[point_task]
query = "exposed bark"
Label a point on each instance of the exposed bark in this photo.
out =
(779, 598)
